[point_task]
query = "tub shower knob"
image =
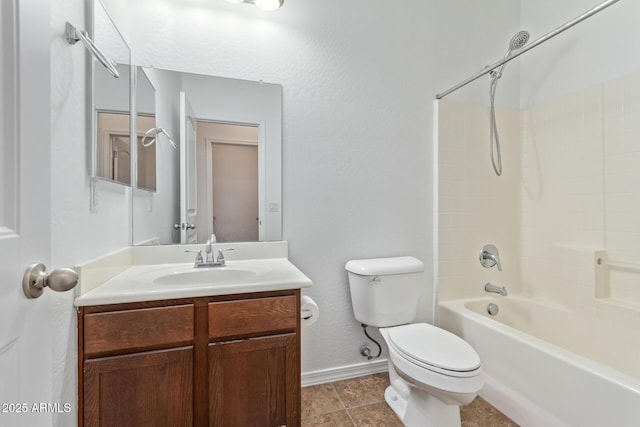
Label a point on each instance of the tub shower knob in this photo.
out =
(489, 257)
(36, 278)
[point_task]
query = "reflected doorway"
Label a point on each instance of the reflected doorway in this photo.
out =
(228, 159)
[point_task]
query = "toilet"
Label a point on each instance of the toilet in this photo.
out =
(431, 371)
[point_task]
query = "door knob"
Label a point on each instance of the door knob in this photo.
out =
(36, 278)
(184, 226)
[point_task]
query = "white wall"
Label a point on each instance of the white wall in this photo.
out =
(599, 49)
(358, 82)
(469, 35)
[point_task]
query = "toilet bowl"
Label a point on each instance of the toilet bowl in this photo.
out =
(431, 371)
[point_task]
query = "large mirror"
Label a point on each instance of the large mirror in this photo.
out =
(224, 179)
(146, 130)
(111, 103)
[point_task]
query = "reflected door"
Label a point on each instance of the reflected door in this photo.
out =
(235, 192)
(120, 159)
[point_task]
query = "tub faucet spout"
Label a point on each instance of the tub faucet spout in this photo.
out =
(489, 287)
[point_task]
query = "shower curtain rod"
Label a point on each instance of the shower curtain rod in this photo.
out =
(528, 47)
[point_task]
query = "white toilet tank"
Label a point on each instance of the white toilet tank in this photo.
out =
(385, 291)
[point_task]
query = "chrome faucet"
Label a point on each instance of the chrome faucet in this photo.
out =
(208, 251)
(489, 257)
(488, 287)
(207, 260)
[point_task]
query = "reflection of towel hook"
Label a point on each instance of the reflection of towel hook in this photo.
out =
(156, 131)
(74, 34)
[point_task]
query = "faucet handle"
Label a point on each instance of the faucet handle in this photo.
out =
(221, 255)
(489, 257)
(199, 259)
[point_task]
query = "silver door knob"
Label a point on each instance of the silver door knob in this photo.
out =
(184, 226)
(36, 278)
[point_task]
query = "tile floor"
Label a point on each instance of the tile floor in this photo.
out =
(360, 402)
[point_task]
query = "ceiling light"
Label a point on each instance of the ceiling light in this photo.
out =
(268, 5)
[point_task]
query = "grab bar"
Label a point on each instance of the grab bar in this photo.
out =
(617, 265)
(74, 34)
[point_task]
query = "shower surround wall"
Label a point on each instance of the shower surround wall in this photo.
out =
(476, 207)
(581, 197)
(568, 216)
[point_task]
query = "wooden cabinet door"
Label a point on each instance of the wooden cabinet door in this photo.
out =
(137, 390)
(254, 382)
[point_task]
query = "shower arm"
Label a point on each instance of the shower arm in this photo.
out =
(514, 54)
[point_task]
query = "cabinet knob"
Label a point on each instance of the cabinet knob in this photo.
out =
(36, 278)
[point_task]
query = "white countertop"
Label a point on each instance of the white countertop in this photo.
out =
(150, 273)
(138, 283)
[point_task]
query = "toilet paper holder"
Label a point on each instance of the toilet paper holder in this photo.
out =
(309, 311)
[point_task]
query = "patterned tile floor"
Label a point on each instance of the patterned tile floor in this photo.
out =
(360, 402)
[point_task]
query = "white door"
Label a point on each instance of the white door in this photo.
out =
(25, 334)
(188, 176)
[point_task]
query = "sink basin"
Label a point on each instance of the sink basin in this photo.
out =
(216, 275)
(164, 280)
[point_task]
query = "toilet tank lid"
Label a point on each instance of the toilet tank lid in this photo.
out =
(384, 266)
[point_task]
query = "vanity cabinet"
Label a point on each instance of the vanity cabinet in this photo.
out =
(230, 360)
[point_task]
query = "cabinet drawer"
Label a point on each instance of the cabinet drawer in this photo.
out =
(252, 316)
(138, 329)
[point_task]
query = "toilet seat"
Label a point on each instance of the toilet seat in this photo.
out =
(434, 349)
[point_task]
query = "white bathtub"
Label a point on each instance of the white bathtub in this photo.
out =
(548, 366)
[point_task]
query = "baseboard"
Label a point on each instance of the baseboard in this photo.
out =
(343, 372)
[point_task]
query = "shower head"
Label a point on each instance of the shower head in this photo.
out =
(517, 41)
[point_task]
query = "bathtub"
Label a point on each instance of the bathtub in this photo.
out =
(546, 365)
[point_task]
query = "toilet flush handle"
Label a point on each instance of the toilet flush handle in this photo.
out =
(376, 279)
